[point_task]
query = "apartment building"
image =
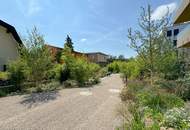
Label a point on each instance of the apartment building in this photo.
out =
(182, 16)
(98, 57)
(173, 33)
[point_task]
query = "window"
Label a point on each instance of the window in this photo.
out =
(169, 33)
(176, 31)
(175, 42)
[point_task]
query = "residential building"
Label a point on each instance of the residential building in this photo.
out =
(173, 33)
(9, 42)
(54, 51)
(182, 15)
(98, 57)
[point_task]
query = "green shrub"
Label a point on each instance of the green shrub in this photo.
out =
(130, 70)
(4, 76)
(180, 87)
(103, 72)
(183, 87)
(2, 93)
(159, 102)
(18, 73)
(177, 118)
(115, 66)
(70, 84)
(169, 86)
(64, 74)
(79, 69)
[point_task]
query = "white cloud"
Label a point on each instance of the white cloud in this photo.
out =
(83, 40)
(29, 7)
(162, 11)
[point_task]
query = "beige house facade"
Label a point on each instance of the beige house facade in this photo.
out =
(9, 42)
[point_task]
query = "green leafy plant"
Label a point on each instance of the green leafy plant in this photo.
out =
(177, 118)
(4, 76)
(18, 73)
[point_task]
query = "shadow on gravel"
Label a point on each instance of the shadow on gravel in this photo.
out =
(36, 99)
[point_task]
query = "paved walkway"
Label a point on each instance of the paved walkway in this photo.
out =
(69, 109)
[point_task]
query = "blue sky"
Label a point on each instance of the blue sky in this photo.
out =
(94, 25)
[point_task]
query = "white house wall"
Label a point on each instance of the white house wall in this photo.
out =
(8, 47)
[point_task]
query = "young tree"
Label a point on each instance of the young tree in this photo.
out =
(37, 56)
(148, 41)
(69, 43)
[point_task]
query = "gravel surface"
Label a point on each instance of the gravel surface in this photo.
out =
(68, 109)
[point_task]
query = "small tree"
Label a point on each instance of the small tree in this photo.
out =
(36, 56)
(149, 40)
(69, 43)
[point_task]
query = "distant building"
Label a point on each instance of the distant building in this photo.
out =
(95, 57)
(55, 50)
(182, 15)
(98, 57)
(9, 42)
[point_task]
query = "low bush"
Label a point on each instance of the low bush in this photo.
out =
(103, 72)
(177, 118)
(79, 69)
(2, 93)
(183, 87)
(115, 67)
(70, 84)
(180, 87)
(4, 76)
(18, 73)
(44, 87)
(159, 102)
(148, 104)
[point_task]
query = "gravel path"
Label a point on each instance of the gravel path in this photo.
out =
(69, 109)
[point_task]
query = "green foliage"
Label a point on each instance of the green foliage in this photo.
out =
(2, 93)
(79, 69)
(69, 43)
(19, 72)
(35, 61)
(70, 84)
(58, 56)
(183, 87)
(177, 118)
(180, 87)
(159, 102)
(114, 67)
(148, 102)
(130, 69)
(103, 72)
(4, 76)
(168, 66)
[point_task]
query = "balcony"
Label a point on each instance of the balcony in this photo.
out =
(183, 38)
(182, 13)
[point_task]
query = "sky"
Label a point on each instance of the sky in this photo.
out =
(94, 25)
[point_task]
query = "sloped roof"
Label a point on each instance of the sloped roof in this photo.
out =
(12, 30)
